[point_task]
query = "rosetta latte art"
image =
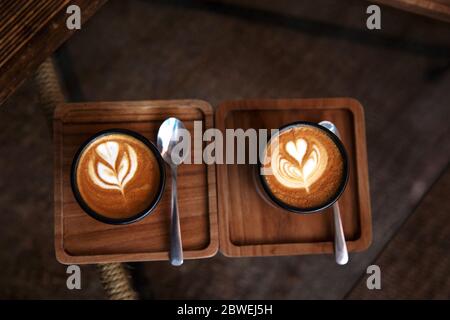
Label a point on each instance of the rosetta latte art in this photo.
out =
(309, 165)
(108, 172)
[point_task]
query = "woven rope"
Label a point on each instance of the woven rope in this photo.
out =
(49, 88)
(116, 281)
(115, 278)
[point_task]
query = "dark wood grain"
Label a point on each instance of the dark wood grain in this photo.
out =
(415, 264)
(404, 96)
(249, 225)
(29, 32)
(403, 86)
(81, 239)
(437, 9)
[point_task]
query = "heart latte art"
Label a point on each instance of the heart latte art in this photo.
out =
(306, 163)
(117, 176)
(306, 166)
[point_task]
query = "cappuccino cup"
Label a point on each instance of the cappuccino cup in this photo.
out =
(118, 176)
(304, 168)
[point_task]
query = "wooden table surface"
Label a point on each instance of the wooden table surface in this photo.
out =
(436, 9)
(29, 32)
(251, 49)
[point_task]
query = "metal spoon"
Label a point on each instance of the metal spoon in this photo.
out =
(169, 135)
(340, 247)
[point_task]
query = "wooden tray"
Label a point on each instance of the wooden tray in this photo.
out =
(81, 239)
(251, 226)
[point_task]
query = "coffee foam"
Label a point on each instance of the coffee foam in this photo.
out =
(118, 176)
(299, 163)
(306, 166)
(105, 174)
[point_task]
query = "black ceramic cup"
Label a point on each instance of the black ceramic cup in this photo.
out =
(138, 215)
(274, 200)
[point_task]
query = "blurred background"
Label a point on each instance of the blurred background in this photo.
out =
(216, 51)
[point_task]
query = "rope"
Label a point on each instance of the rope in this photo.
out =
(116, 281)
(49, 88)
(115, 278)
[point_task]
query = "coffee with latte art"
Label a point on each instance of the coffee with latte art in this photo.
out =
(305, 167)
(117, 176)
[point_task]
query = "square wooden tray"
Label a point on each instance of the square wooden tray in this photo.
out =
(81, 239)
(251, 226)
(248, 224)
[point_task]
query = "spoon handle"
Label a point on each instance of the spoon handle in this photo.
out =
(176, 249)
(340, 247)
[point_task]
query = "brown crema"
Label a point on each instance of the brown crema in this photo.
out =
(118, 176)
(306, 168)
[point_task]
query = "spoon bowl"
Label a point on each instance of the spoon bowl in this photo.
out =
(169, 134)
